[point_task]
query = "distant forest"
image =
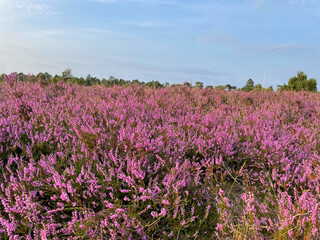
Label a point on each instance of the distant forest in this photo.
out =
(299, 82)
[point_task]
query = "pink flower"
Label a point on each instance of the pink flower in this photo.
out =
(166, 202)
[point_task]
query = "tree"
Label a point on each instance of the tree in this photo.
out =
(81, 81)
(136, 81)
(2, 77)
(154, 84)
(55, 79)
(22, 77)
(44, 78)
(249, 86)
(199, 85)
(66, 74)
(258, 87)
(88, 81)
(220, 87)
(228, 87)
(270, 89)
(91, 80)
(300, 83)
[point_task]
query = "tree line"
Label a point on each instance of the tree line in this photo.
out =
(299, 82)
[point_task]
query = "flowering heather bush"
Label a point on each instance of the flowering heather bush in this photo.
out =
(173, 163)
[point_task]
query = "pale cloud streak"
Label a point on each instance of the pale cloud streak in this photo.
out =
(146, 24)
(164, 2)
(302, 2)
(255, 47)
(275, 3)
(19, 9)
(216, 39)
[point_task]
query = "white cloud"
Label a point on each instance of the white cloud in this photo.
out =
(19, 9)
(283, 49)
(146, 24)
(82, 49)
(263, 3)
(301, 2)
(286, 49)
(106, 1)
(216, 39)
(167, 2)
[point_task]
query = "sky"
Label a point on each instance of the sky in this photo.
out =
(216, 42)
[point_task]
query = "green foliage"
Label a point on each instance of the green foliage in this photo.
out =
(2, 77)
(154, 84)
(91, 80)
(300, 83)
(67, 74)
(199, 85)
(270, 89)
(227, 87)
(249, 86)
(258, 87)
(219, 87)
(296, 83)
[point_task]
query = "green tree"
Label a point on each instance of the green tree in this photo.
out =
(22, 77)
(44, 78)
(300, 82)
(55, 79)
(91, 80)
(249, 86)
(220, 87)
(81, 81)
(136, 81)
(2, 77)
(67, 75)
(199, 85)
(228, 87)
(258, 87)
(270, 89)
(154, 84)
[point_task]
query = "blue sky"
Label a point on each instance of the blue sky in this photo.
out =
(212, 41)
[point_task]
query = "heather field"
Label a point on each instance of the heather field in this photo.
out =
(171, 163)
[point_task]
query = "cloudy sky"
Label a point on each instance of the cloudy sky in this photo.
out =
(213, 41)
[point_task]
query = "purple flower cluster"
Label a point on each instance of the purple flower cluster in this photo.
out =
(173, 163)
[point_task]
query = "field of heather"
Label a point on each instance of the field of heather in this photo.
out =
(172, 163)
